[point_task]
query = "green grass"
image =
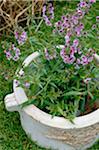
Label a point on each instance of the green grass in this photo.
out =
(12, 136)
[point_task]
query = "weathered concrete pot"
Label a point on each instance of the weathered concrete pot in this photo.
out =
(55, 133)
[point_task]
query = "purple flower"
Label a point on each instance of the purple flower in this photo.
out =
(88, 6)
(72, 50)
(50, 16)
(54, 31)
(80, 13)
(97, 18)
(92, 1)
(44, 10)
(78, 61)
(67, 40)
(78, 29)
(82, 4)
(66, 25)
(69, 33)
(75, 42)
(79, 50)
(27, 84)
(93, 26)
(18, 52)
(12, 53)
(8, 55)
(47, 21)
(62, 53)
(16, 34)
(84, 60)
(90, 59)
(51, 11)
(72, 59)
(48, 56)
(87, 80)
(75, 20)
(24, 35)
(20, 37)
(81, 26)
(63, 17)
(15, 58)
(58, 24)
(69, 25)
(66, 59)
(64, 56)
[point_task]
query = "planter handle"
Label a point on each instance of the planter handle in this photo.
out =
(11, 103)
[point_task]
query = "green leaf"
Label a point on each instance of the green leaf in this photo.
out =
(90, 94)
(74, 93)
(60, 111)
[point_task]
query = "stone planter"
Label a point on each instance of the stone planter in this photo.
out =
(55, 133)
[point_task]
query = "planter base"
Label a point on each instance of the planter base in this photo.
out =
(59, 139)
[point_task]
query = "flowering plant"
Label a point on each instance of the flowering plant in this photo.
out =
(63, 79)
(12, 51)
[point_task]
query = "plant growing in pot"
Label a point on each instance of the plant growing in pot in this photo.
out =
(56, 90)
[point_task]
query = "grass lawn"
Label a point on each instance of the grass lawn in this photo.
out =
(12, 136)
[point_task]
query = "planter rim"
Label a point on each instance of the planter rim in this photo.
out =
(47, 119)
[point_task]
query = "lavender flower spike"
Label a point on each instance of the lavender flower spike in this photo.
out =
(92, 1)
